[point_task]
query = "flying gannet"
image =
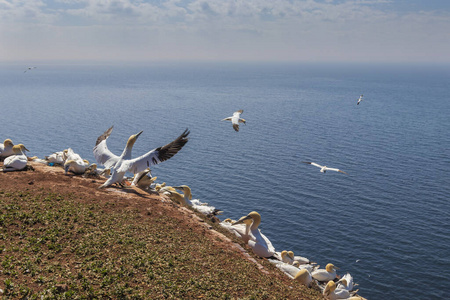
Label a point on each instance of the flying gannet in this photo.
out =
(323, 169)
(329, 273)
(124, 163)
(259, 243)
(29, 69)
(6, 149)
(236, 119)
(360, 99)
(17, 161)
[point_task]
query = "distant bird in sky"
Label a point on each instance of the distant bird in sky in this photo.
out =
(360, 99)
(323, 169)
(236, 119)
(29, 69)
(124, 163)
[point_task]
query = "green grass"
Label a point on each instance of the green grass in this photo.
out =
(53, 246)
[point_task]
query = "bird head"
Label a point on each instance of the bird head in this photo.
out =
(331, 268)
(331, 286)
(8, 142)
(133, 139)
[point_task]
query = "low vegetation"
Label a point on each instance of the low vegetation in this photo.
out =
(55, 246)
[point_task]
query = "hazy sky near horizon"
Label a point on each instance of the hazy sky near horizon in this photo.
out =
(222, 30)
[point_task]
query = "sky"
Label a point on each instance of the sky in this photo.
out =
(226, 30)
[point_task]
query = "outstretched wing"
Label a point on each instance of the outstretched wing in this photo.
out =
(311, 163)
(157, 155)
(101, 152)
(337, 170)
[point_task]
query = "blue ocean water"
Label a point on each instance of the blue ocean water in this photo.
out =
(386, 221)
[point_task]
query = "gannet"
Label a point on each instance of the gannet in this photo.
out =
(123, 163)
(330, 292)
(345, 283)
(186, 199)
(74, 163)
(6, 149)
(260, 244)
(304, 277)
(329, 273)
(291, 270)
(236, 119)
(323, 169)
(17, 161)
(241, 231)
(56, 157)
(290, 258)
(29, 69)
(360, 99)
(143, 179)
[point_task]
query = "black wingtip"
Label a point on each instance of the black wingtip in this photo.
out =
(104, 136)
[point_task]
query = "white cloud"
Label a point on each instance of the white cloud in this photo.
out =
(221, 29)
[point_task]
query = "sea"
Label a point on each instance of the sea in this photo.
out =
(386, 222)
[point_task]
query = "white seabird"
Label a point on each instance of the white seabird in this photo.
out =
(291, 270)
(74, 163)
(290, 258)
(143, 179)
(260, 244)
(323, 169)
(6, 149)
(331, 293)
(241, 231)
(29, 69)
(124, 163)
(236, 119)
(345, 283)
(57, 157)
(186, 199)
(329, 273)
(360, 99)
(304, 277)
(17, 161)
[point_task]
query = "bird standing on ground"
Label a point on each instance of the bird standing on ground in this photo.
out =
(323, 169)
(236, 119)
(124, 163)
(329, 273)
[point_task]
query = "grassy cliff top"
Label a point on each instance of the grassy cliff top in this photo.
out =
(63, 238)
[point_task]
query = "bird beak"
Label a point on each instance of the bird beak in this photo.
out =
(241, 220)
(138, 134)
(26, 148)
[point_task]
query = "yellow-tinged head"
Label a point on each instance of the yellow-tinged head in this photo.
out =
(331, 287)
(8, 142)
(133, 139)
(331, 268)
(291, 254)
(344, 281)
(303, 276)
(86, 162)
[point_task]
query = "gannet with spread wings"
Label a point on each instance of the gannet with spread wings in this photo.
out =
(124, 163)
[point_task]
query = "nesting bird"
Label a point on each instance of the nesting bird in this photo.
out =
(236, 119)
(124, 163)
(18, 161)
(6, 149)
(259, 243)
(329, 273)
(74, 163)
